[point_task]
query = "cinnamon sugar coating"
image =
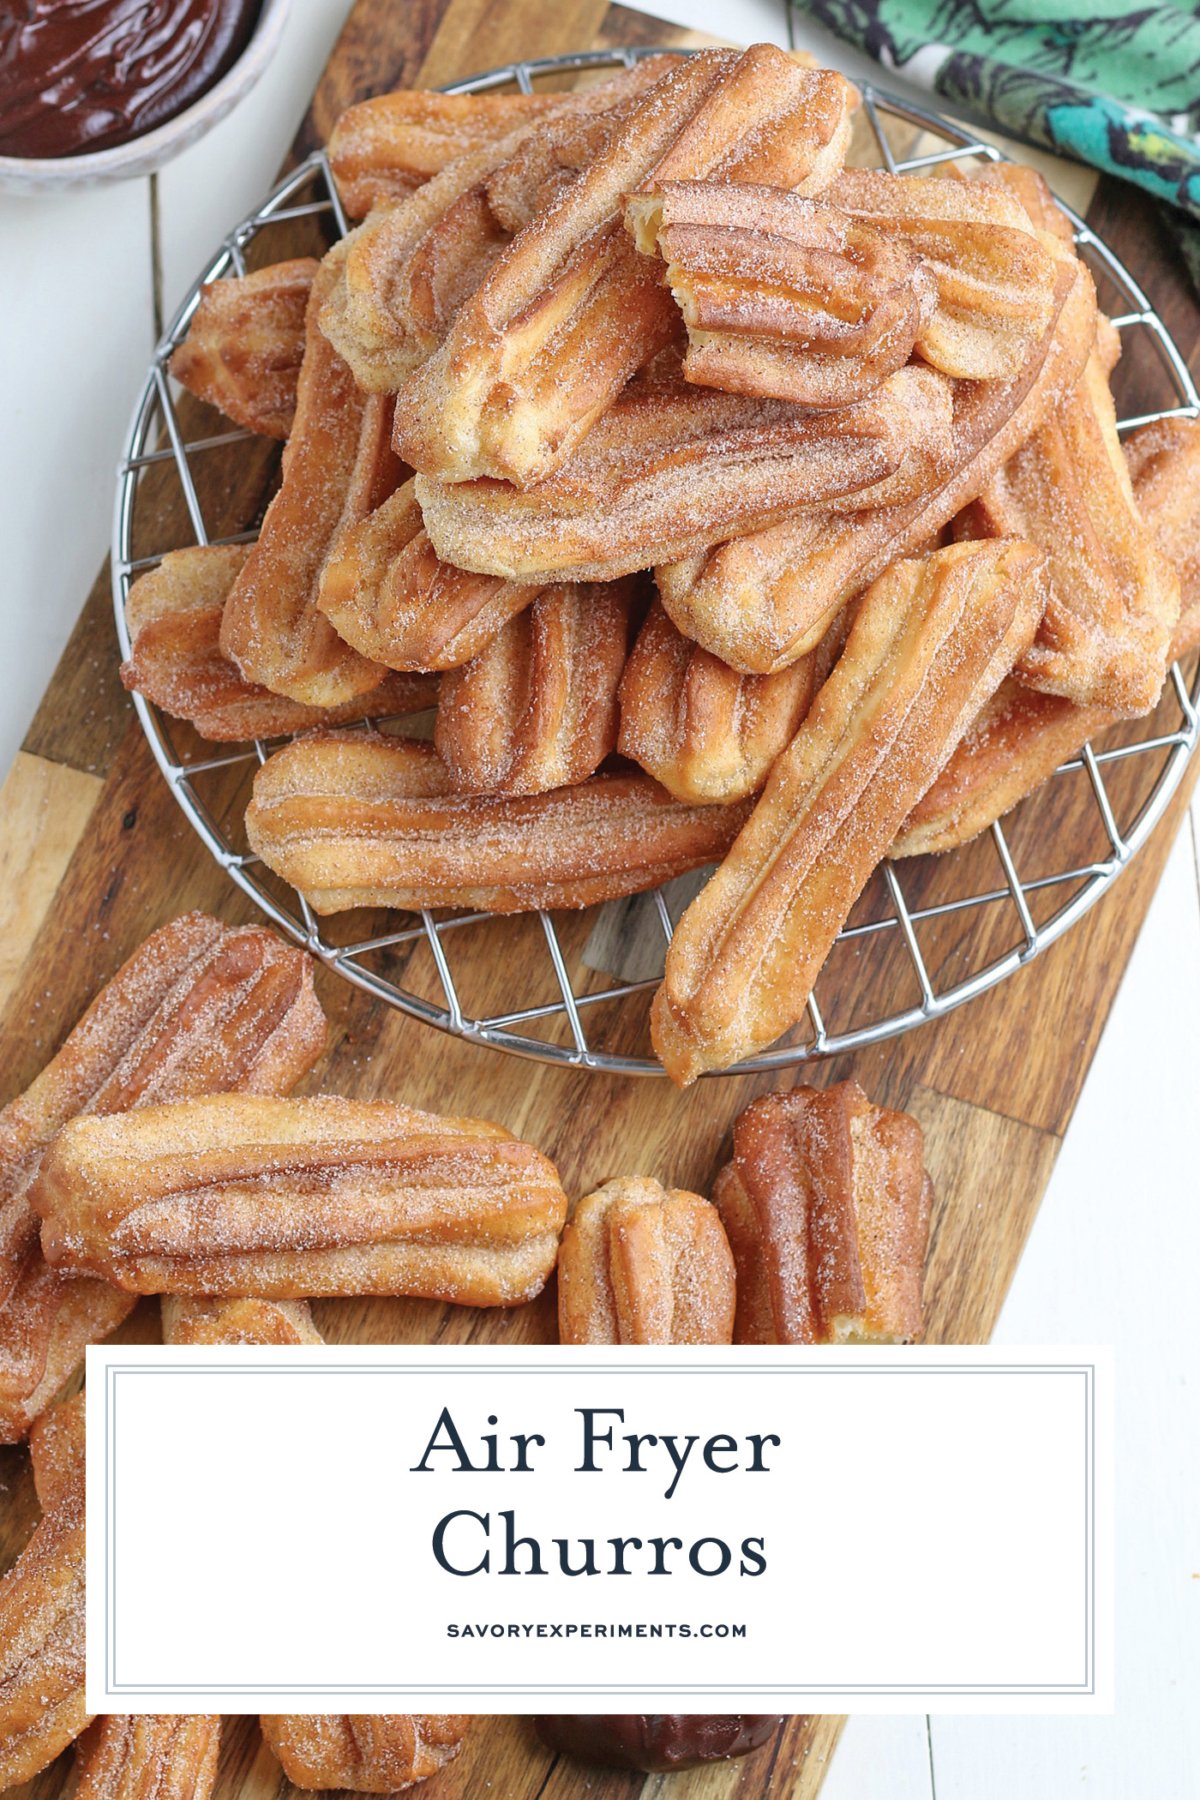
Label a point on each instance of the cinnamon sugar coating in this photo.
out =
(58, 1454)
(537, 707)
(827, 1206)
(644, 1264)
(993, 273)
(42, 1707)
(762, 600)
(931, 639)
(382, 149)
(175, 658)
(1164, 464)
(1114, 600)
(245, 344)
(570, 309)
(237, 1321)
(412, 264)
(1020, 737)
(708, 733)
(386, 591)
(784, 296)
(338, 466)
(360, 820)
(281, 1199)
(671, 468)
(154, 1756)
(200, 1007)
(373, 1754)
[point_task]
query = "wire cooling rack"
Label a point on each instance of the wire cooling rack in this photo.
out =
(917, 946)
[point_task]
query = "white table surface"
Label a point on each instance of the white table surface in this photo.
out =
(1113, 1254)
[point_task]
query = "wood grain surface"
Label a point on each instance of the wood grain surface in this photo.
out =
(96, 855)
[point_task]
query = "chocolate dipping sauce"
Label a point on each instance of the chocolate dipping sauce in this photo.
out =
(81, 75)
(656, 1741)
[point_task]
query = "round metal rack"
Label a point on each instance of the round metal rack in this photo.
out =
(1078, 874)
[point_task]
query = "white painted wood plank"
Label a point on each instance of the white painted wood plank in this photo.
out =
(880, 1758)
(1112, 1259)
(740, 21)
(75, 298)
(215, 183)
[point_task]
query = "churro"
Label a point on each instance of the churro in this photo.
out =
(245, 344)
(644, 1264)
(993, 272)
(410, 267)
(671, 469)
(375, 1754)
(930, 641)
(386, 591)
(708, 733)
(785, 296)
(760, 601)
(175, 659)
(384, 148)
(537, 707)
(358, 820)
(42, 1707)
(198, 1008)
(237, 1321)
(1113, 602)
(1020, 737)
(826, 1204)
(283, 1199)
(155, 1756)
(338, 466)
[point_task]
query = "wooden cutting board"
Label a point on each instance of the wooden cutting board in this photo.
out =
(96, 855)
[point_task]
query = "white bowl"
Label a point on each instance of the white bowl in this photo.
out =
(141, 155)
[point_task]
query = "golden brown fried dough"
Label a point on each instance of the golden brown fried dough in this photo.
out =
(42, 1707)
(58, 1454)
(237, 1321)
(199, 1007)
(763, 600)
(338, 466)
(375, 1754)
(827, 1205)
(930, 641)
(1021, 737)
(245, 344)
(570, 310)
(1113, 599)
(644, 1264)
(709, 734)
(281, 1199)
(994, 274)
(358, 820)
(175, 657)
(672, 468)
(784, 296)
(412, 265)
(156, 1756)
(387, 592)
(1017, 741)
(537, 708)
(1164, 464)
(385, 147)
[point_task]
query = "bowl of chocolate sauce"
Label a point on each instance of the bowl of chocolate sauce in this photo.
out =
(93, 91)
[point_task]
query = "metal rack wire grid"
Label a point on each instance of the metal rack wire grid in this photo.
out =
(156, 436)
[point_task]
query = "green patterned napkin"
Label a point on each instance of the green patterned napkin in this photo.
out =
(1118, 88)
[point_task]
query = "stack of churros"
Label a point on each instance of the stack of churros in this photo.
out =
(628, 428)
